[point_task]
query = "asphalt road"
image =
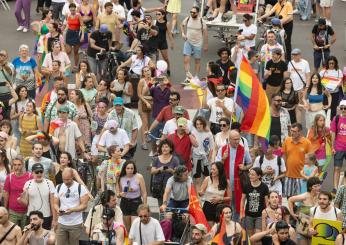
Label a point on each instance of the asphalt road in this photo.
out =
(11, 39)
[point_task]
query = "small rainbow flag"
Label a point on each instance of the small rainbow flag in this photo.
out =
(330, 82)
(251, 97)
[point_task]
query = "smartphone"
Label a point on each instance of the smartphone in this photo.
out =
(2, 84)
(61, 211)
(126, 189)
(165, 167)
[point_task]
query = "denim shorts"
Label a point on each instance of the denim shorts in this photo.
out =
(191, 50)
(339, 158)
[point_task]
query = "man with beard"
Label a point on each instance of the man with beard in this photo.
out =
(69, 134)
(37, 151)
(34, 233)
(52, 108)
(197, 235)
(10, 233)
(324, 210)
(52, 95)
(281, 122)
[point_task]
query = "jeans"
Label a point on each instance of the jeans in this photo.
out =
(98, 67)
(304, 7)
(320, 58)
(288, 29)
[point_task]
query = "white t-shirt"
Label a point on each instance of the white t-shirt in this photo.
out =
(120, 138)
(330, 215)
(72, 201)
(119, 10)
(333, 75)
(129, 16)
(267, 179)
(39, 196)
(171, 126)
(151, 232)
(216, 113)
(248, 31)
(303, 68)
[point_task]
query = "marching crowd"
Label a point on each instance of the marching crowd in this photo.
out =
(248, 191)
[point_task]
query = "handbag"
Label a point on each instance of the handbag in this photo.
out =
(303, 226)
(145, 108)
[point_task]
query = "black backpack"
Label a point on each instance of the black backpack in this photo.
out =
(278, 162)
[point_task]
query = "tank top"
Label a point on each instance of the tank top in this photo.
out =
(73, 23)
(123, 87)
(162, 31)
(58, 178)
(138, 64)
(132, 186)
(39, 240)
(213, 191)
(315, 98)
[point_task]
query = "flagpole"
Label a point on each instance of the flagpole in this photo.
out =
(236, 86)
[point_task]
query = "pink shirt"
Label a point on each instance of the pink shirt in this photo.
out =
(62, 57)
(340, 138)
(14, 189)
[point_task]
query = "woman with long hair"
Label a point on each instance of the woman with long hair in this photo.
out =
(29, 124)
(84, 114)
(163, 25)
(42, 29)
(6, 126)
(109, 170)
(18, 108)
(122, 87)
(201, 154)
(103, 91)
(319, 135)
(289, 97)
(234, 230)
(255, 196)
(163, 168)
(83, 71)
(215, 189)
(89, 91)
(333, 77)
(214, 76)
(145, 102)
(132, 191)
(5, 169)
(313, 99)
(222, 137)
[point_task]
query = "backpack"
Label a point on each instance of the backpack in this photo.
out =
(278, 162)
(59, 187)
(187, 21)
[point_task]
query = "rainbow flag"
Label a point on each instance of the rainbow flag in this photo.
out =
(251, 97)
(330, 83)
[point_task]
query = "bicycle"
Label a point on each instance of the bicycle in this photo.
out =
(86, 171)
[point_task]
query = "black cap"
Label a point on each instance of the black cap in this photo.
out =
(322, 21)
(37, 167)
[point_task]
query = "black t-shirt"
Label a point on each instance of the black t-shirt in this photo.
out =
(225, 66)
(101, 40)
(148, 42)
(255, 197)
(52, 40)
(267, 240)
(278, 69)
(275, 127)
(322, 36)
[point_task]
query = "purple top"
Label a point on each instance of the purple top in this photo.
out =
(130, 187)
(160, 99)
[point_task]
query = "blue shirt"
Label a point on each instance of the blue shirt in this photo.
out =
(25, 74)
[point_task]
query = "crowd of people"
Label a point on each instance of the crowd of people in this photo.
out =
(122, 98)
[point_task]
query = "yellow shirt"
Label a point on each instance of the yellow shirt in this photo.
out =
(295, 155)
(284, 10)
(111, 21)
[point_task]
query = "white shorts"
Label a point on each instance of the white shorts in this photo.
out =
(326, 3)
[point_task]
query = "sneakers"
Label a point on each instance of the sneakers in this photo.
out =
(20, 28)
(25, 30)
(296, 11)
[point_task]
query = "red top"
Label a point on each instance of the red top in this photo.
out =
(167, 114)
(182, 146)
(73, 23)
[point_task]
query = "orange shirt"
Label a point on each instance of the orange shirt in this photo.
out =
(295, 155)
(284, 10)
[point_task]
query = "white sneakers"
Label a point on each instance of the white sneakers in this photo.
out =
(22, 28)
(218, 20)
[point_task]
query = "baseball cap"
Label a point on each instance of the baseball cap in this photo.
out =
(37, 167)
(118, 101)
(342, 103)
(200, 227)
(296, 51)
(103, 28)
(276, 22)
(3, 135)
(179, 110)
(322, 21)
(111, 124)
(277, 51)
(64, 108)
(182, 121)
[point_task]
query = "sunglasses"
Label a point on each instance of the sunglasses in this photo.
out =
(219, 90)
(223, 125)
(68, 192)
(38, 172)
(343, 108)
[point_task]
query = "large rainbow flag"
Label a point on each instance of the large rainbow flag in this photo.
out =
(250, 96)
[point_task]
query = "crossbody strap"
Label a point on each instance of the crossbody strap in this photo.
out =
(298, 74)
(7, 233)
(140, 233)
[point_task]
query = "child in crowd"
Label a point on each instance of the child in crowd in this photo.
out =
(310, 170)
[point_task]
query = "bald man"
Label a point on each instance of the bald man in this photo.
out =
(10, 233)
(71, 199)
(235, 158)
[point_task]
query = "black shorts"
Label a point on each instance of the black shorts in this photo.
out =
(162, 44)
(129, 206)
(209, 211)
(201, 170)
(72, 37)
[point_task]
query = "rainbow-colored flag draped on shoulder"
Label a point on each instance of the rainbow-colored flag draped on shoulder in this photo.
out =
(253, 101)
